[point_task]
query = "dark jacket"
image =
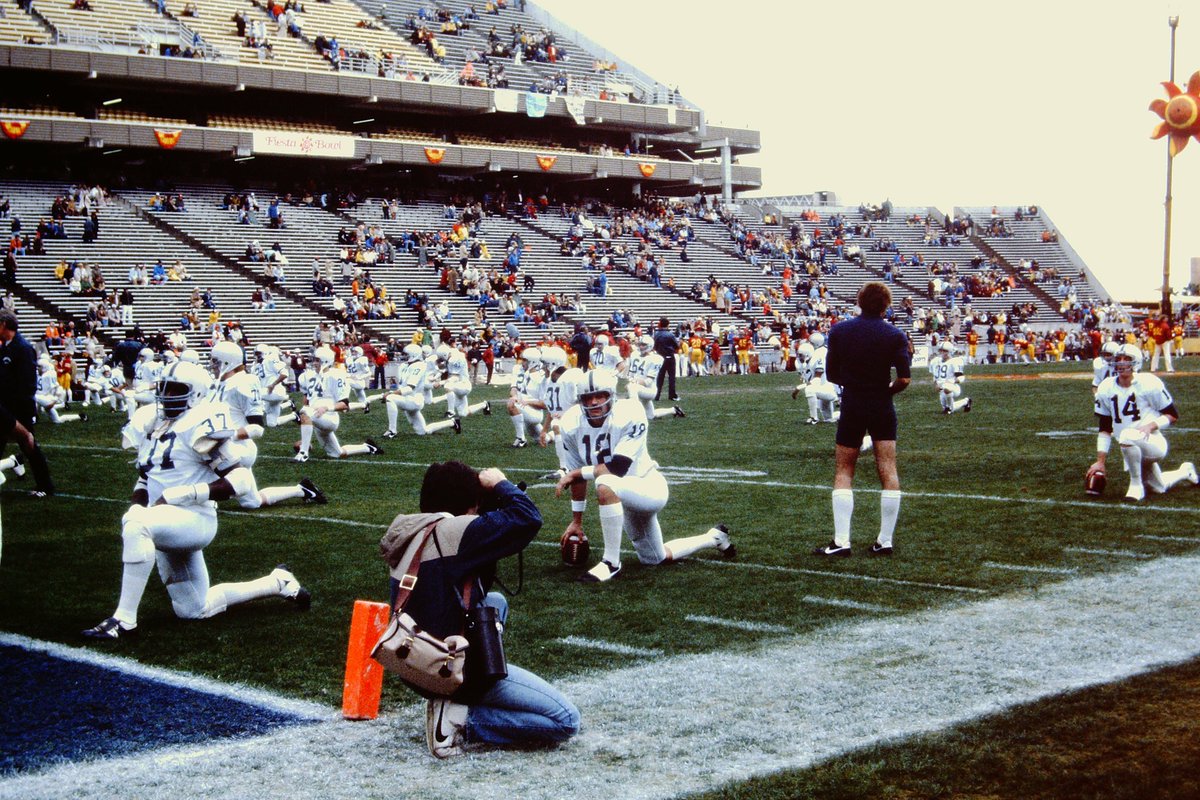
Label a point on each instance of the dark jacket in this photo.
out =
(665, 343)
(18, 379)
(505, 530)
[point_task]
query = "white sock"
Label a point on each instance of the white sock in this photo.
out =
(682, 548)
(960, 404)
(355, 450)
(659, 413)
(434, 427)
(469, 410)
(843, 510)
(518, 422)
(224, 595)
(612, 524)
(1133, 464)
(393, 414)
(277, 494)
(1170, 477)
(8, 463)
(889, 510)
(306, 433)
(133, 586)
(812, 407)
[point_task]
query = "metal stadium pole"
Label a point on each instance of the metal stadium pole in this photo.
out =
(1166, 285)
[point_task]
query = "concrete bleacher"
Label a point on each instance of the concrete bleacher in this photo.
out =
(215, 24)
(113, 18)
(126, 238)
(21, 28)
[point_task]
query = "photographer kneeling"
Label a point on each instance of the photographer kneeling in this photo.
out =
(483, 518)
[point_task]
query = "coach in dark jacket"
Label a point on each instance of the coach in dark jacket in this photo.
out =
(666, 344)
(581, 345)
(486, 518)
(18, 413)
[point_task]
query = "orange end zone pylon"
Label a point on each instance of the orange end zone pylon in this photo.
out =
(364, 675)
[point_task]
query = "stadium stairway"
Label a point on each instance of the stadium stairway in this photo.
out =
(126, 239)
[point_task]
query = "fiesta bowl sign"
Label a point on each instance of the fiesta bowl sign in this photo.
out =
(317, 145)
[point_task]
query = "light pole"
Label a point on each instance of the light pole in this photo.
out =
(1165, 308)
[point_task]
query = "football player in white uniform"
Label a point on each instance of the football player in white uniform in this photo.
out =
(174, 511)
(641, 379)
(410, 398)
(605, 442)
(242, 392)
(96, 385)
(1135, 408)
(50, 396)
(524, 408)
(458, 383)
(821, 394)
(606, 355)
(358, 371)
(145, 379)
(804, 354)
(947, 371)
(327, 394)
(272, 377)
(433, 377)
(1102, 365)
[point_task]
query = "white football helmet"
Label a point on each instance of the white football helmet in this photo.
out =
(180, 387)
(45, 363)
(645, 344)
(532, 358)
(817, 340)
(426, 350)
(146, 355)
(412, 352)
(190, 356)
(356, 352)
(1109, 351)
(600, 387)
(805, 352)
(602, 341)
(322, 358)
(946, 348)
(170, 357)
(443, 352)
(553, 358)
(1128, 359)
(261, 351)
(224, 356)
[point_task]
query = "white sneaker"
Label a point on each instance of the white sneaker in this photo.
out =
(445, 727)
(600, 573)
(1191, 477)
(300, 458)
(290, 588)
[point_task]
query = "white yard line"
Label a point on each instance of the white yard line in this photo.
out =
(738, 624)
(679, 725)
(1186, 539)
(1027, 568)
(1097, 551)
(609, 647)
(840, 603)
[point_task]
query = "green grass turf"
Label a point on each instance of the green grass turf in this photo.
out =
(61, 563)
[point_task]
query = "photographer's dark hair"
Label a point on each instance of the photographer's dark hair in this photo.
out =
(450, 486)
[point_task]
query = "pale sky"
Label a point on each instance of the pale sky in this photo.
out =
(945, 104)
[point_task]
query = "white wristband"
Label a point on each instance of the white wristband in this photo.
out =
(1103, 442)
(1163, 422)
(588, 473)
(578, 506)
(186, 495)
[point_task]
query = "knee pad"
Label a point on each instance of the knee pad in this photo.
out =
(243, 483)
(137, 547)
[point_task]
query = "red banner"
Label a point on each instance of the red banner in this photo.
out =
(14, 129)
(167, 139)
(546, 162)
(435, 154)
(647, 170)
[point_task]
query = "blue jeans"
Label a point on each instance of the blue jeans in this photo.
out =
(522, 708)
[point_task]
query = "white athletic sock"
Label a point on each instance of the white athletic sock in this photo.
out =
(66, 417)
(960, 404)
(843, 510)
(1133, 463)
(518, 422)
(659, 413)
(224, 595)
(277, 494)
(306, 434)
(133, 586)
(393, 414)
(434, 427)
(468, 410)
(1170, 477)
(889, 510)
(8, 463)
(812, 407)
(682, 548)
(355, 450)
(612, 524)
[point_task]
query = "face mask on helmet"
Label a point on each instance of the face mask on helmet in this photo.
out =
(1128, 360)
(596, 405)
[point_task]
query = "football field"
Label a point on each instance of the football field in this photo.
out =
(1008, 586)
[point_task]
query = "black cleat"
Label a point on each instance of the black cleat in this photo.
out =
(110, 630)
(879, 550)
(83, 416)
(967, 407)
(311, 493)
(487, 408)
(833, 549)
(729, 550)
(679, 412)
(457, 425)
(389, 434)
(372, 448)
(290, 588)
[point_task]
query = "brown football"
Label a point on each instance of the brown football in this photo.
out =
(575, 549)
(1094, 483)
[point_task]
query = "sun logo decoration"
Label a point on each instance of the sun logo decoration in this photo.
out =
(1180, 114)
